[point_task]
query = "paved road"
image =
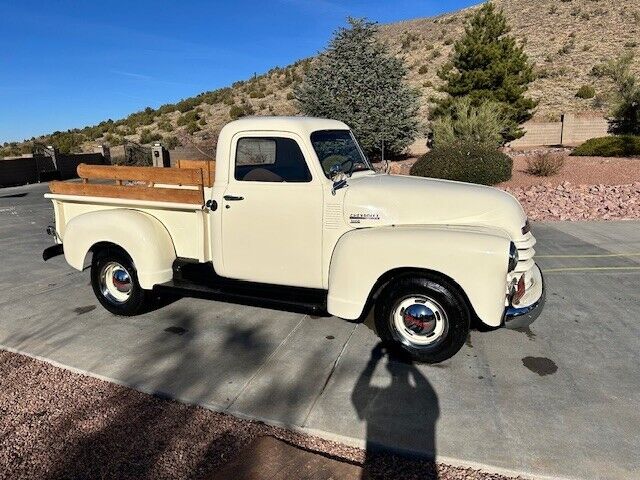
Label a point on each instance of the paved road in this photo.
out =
(559, 400)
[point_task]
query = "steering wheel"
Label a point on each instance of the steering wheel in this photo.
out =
(332, 160)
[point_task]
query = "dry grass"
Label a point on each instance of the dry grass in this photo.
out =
(545, 164)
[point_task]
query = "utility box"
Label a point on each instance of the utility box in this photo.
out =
(160, 156)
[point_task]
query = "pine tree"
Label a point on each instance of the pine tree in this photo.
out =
(625, 117)
(488, 64)
(356, 80)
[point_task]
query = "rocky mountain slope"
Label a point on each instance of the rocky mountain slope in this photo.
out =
(565, 38)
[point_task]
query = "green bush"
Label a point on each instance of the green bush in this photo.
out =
(170, 142)
(465, 162)
(192, 128)
(187, 118)
(482, 124)
(164, 124)
(238, 111)
(618, 146)
(586, 91)
(146, 136)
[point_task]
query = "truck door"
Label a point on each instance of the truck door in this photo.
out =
(272, 213)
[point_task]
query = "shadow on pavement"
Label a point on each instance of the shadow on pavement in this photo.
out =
(400, 409)
(124, 435)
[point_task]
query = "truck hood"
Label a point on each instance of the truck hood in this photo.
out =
(381, 200)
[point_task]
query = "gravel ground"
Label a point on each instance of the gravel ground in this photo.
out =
(58, 424)
(580, 202)
(577, 171)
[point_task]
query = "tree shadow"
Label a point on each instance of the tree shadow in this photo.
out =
(125, 434)
(402, 414)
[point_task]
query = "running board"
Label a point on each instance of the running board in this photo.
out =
(206, 284)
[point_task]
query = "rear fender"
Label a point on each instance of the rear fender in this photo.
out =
(143, 237)
(476, 260)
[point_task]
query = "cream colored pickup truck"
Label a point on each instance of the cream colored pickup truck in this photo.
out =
(292, 215)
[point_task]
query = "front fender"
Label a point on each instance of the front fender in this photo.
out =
(142, 236)
(476, 259)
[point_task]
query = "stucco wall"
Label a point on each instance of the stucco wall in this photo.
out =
(573, 130)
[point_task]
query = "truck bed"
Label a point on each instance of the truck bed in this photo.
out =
(184, 184)
(175, 196)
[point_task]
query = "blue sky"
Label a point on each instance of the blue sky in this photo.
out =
(69, 64)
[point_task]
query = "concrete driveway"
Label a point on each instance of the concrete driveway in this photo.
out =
(561, 399)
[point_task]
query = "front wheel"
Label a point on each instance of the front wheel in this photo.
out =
(115, 283)
(424, 318)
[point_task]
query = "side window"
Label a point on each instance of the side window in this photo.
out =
(270, 159)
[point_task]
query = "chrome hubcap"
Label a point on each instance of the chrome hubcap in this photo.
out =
(419, 321)
(115, 283)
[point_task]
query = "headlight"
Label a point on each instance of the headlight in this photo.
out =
(513, 257)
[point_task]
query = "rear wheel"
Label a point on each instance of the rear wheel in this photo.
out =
(423, 318)
(115, 283)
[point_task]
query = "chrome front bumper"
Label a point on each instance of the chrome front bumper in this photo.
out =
(529, 307)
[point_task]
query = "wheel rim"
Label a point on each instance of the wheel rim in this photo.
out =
(116, 284)
(419, 321)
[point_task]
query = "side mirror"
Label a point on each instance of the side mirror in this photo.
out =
(337, 176)
(335, 171)
(338, 185)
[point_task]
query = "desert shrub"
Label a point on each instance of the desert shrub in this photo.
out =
(165, 125)
(189, 117)
(545, 164)
(615, 146)
(113, 140)
(192, 128)
(186, 105)
(146, 136)
(482, 124)
(567, 47)
(465, 162)
(586, 91)
(423, 69)
(290, 96)
(237, 111)
(170, 142)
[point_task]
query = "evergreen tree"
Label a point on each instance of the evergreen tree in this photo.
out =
(625, 117)
(356, 80)
(488, 64)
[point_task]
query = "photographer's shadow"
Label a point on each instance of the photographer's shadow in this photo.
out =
(401, 416)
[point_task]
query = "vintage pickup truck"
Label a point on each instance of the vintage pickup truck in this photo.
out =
(292, 215)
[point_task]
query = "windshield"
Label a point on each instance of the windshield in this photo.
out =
(338, 147)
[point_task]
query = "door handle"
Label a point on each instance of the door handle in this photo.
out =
(233, 198)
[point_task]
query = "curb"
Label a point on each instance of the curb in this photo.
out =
(333, 437)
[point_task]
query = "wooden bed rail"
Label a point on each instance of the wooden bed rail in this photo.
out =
(208, 168)
(152, 175)
(188, 183)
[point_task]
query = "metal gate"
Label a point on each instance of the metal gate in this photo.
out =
(137, 155)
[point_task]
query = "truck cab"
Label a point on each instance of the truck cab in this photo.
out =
(296, 215)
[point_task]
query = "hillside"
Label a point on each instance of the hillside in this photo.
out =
(565, 38)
